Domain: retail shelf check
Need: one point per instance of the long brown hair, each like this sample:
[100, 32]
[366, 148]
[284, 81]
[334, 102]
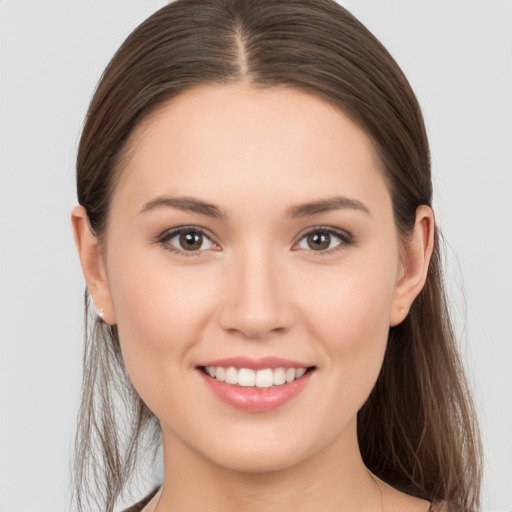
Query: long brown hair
[417, 431]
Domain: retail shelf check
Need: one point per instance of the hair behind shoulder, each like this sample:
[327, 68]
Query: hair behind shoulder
[417, 430]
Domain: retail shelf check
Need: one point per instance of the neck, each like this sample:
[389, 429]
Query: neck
[333, 480]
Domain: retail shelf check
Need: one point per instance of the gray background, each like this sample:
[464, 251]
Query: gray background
[458, 57]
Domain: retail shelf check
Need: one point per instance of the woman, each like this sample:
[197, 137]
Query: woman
[256, 233]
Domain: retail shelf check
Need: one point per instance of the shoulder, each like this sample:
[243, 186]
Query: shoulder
[143, 502]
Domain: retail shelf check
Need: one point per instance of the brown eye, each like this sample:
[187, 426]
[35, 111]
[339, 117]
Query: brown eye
[188, 240]
[319, 241]
[325, 240]
[191, 241]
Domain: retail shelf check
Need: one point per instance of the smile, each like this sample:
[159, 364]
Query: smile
[256, 386]
[247, 377]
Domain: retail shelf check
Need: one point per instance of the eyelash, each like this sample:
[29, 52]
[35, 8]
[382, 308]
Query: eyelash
[165, 237]
[346, 239]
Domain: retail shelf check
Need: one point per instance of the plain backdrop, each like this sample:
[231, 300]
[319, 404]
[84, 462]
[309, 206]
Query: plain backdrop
[458, 57]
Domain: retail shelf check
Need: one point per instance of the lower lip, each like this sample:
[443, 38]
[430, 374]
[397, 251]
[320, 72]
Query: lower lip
[254, 399]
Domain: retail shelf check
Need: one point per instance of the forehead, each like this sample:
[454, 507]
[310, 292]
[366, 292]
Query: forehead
[248, 141]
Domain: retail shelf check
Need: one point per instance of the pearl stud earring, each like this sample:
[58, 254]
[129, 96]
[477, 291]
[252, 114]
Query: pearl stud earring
[100, 314]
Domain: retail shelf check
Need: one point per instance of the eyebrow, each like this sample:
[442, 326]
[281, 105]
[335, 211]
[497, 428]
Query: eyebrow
[210, 210]
[187, 204]
[326, 205]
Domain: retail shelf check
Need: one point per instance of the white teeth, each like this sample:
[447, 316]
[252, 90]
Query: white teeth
[231, 376]
[279, 376]
[290, 374]
[247, 377]
[264, 378]
[300, 372]
[220, 373]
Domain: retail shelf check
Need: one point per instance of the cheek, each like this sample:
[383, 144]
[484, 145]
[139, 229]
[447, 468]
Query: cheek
[161, 313]
[353, 303]
[350, 318]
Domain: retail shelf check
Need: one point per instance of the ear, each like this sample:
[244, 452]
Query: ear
[93, 265]
[413, 269]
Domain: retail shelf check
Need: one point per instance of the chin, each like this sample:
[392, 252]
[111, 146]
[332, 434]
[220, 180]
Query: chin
[259, 461]
[268, 451]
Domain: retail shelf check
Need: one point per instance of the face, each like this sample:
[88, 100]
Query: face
[252, 229]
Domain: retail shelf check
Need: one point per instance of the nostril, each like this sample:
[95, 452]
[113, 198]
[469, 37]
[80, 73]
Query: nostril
[256, 310]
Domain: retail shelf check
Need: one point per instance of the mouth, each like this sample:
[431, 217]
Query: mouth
[269, 384]
[250, 378]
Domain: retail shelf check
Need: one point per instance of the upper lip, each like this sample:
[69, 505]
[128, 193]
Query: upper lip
[255, 364]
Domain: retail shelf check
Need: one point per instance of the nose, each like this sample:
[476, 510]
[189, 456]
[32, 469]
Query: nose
[256, 302]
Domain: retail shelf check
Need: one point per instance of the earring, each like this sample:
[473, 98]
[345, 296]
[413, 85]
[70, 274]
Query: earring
[402, 311]
[100, 314]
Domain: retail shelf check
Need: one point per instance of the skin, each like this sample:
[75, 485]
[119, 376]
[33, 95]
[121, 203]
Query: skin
[256, 288]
